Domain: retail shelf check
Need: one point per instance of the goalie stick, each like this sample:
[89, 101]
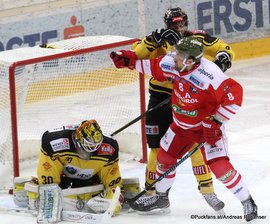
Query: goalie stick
[164, 102]
[184, 158]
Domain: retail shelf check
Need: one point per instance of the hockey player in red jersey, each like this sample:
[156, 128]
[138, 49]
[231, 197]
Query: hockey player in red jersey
[203, 100]
[155, 44]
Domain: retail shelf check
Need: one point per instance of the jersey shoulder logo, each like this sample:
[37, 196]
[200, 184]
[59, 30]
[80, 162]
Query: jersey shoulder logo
[166, 66]
[106, 149]
[60, 144]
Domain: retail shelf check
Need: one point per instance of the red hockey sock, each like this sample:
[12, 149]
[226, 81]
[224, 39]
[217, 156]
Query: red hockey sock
[230, 177]
[165, 162]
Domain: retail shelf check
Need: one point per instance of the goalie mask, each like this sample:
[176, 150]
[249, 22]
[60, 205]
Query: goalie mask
[175, 18]
[88, 136]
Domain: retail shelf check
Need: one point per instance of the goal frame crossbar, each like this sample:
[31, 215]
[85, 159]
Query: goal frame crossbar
[13, 106]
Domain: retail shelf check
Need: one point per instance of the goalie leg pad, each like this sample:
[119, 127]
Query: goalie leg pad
[20, 196]
[50, 206]
[131, 187]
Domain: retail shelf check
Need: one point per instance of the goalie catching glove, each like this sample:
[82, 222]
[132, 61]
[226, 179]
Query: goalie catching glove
[123, 58]
[100, 203]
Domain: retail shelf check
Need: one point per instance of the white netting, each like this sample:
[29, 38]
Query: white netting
[64, 91]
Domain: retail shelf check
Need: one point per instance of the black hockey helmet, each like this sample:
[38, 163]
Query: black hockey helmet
[175, 15]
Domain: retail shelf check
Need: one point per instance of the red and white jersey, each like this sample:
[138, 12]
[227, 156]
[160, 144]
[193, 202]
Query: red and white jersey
[201, 92]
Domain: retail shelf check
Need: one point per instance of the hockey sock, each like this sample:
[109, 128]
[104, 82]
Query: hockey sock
[230, 177]
[202, 173]
[151, 167]
[165, 162]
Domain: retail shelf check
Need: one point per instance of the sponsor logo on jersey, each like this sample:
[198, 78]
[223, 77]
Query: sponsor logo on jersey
[205, 73]
[71, 127]
[226, 89]
[47, 166]
[185, 99]
[106, 149]
[56, 129]
[199, 170]
[166, 67]
[60, 144]
[193, 90]
[70, 169]
[214, 149]
[196, 81]
[194, 32]
[178, 110]
[152, 129]
[78, 173]
[169, 76]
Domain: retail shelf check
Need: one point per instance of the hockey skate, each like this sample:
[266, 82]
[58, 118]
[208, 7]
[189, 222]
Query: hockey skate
[250, 209]
[153, 204]
[214, 202]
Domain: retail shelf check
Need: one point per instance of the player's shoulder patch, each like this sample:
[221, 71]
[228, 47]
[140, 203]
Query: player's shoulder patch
[197, 32]
[57, 140]
[106, 149]
[109, 147]
[60, 144]
[167, 63]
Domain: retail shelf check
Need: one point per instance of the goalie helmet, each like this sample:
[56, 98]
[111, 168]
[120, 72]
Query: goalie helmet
[88, 136]
[191, 47]
[175, 16]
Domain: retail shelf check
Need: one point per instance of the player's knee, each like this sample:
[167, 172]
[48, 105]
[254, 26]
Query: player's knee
[222, 168]
[165, 160]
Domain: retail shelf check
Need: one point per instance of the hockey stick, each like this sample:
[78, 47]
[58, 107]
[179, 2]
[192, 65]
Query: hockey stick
[164, 102]
[190, 153]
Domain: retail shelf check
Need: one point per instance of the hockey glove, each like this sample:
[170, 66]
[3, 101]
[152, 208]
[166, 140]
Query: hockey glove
[211, 131]
[223, 61]
[123, 58]
[170, 35]
[102, 202]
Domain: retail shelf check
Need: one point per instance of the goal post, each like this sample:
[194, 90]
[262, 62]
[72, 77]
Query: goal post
[65, 83]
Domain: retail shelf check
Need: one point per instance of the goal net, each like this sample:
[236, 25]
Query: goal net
[65, 83]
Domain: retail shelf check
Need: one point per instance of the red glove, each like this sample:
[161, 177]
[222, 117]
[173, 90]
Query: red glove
[122, 59]
[211, 131]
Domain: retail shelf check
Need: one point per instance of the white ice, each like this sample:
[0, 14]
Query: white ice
[249, 139]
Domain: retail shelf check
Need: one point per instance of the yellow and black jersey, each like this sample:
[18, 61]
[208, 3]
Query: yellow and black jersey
[212, 45]
[59, 157]
[146, 49]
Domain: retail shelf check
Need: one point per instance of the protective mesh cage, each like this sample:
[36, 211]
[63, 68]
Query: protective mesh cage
[66, 90]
